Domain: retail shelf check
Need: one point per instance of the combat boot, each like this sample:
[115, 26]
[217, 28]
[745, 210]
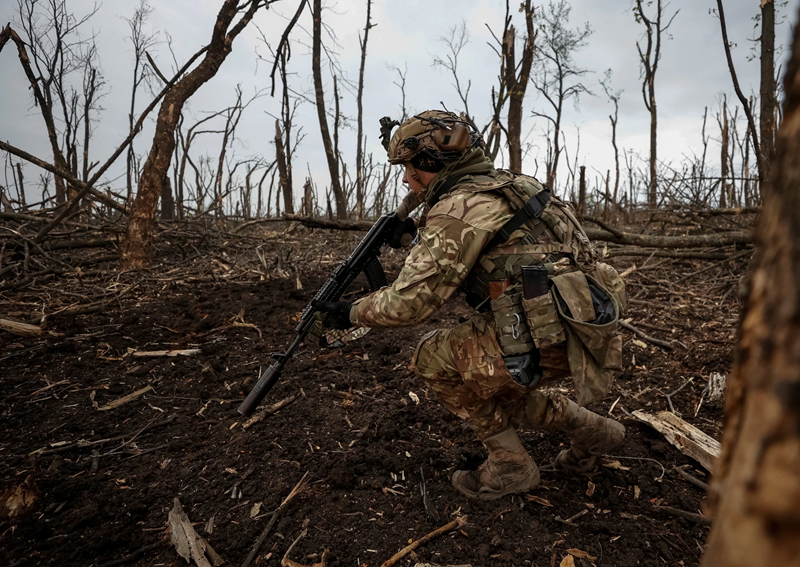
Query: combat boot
[508, 470]
[590, 436]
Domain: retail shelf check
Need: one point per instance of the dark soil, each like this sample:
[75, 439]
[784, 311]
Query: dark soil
[355, 427]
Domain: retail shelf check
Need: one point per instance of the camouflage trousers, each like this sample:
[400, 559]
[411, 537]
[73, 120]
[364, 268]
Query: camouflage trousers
[464, 367]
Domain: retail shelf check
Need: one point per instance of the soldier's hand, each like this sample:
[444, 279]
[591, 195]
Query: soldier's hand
[404, 233]
[337, 313]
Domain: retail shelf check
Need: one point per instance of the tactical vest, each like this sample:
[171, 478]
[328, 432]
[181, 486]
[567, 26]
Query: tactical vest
[585, 300]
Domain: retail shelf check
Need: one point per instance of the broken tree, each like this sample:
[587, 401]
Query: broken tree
[137, 249]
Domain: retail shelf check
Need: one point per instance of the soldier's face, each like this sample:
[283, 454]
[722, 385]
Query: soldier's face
[417, 180]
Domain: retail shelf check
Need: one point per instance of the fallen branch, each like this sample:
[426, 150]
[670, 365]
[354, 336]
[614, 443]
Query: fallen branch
[298, 488]
[20, 329]
[135, 555]
[691, 478]
[170, 353]
[313, 222]
[658, 342]
[125, 399]
[266, 412]
[686, 437]
[692, 517]
[737, 237]
[455, 524]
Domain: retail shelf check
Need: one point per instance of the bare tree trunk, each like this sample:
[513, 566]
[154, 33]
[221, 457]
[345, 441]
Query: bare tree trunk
[516, 85]
[333, 159]
[582, 191]
[756, 489]
[283, 173]
[745, 104]
[360, 190]
[649, 59]
[767, 92]
[137, 246]
[723, 173]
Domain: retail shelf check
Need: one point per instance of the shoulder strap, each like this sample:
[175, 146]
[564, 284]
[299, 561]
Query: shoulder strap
[532, 209]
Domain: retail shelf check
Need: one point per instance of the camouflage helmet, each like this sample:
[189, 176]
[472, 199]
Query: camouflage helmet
[440, 135]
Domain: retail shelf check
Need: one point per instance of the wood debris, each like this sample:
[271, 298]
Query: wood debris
[21, 329]
[268, 411]
[125, 399]
[187, 542]
[160, 353]
[14, 502]
[455, 524]
[686, 437]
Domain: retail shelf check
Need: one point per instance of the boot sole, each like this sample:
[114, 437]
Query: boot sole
[524, 485]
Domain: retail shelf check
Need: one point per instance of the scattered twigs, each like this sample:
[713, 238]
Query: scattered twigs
[669, 396]
[299, 487]
[658, 342]
[135, 555]
[430, 507]
[455, 524]
[691, 478]
[266, 412]
[692, 517]
[571, 520]
[81, 444]
[712, 266]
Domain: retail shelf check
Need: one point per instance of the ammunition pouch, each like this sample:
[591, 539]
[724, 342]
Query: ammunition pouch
[513, 333]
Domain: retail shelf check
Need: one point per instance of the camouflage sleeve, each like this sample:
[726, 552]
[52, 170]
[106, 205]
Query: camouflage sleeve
[449, 246]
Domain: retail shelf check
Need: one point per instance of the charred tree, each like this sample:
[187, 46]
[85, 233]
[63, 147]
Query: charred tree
[767, 94]
[746, 105]
[516, 84]
[137, 246]
[360, 182]
[756, 489]
[330, 153]
[649, 59]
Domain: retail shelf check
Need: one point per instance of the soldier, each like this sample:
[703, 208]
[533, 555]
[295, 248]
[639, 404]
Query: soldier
[469, 202]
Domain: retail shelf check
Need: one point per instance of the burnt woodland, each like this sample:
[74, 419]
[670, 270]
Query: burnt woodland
[144, 284]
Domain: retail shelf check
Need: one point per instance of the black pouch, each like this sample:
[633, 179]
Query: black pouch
[524, 368]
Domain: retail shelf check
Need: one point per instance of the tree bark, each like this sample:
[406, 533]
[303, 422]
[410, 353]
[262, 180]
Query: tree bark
[283, 172]
[333, 159]
[516, 85]
[756, 491]
[137, 247]
[582, 190]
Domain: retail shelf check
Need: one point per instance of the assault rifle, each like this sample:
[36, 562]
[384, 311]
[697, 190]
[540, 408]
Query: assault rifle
[363, 259]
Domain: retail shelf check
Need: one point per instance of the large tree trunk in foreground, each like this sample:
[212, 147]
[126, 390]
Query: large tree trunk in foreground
[756, 491]
[137, 247]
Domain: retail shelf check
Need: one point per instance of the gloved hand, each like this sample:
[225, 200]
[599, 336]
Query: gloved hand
[337, 313]
[399, 238]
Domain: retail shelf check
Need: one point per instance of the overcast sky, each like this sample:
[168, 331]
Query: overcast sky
[693, 74]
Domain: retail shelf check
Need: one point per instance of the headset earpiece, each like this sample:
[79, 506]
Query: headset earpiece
[456, 138]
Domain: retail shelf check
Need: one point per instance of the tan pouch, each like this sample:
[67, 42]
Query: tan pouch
[513, 333]
[545, 326]
[594, 350]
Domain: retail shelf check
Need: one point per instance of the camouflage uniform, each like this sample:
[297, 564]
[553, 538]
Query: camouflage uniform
[464, 365]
